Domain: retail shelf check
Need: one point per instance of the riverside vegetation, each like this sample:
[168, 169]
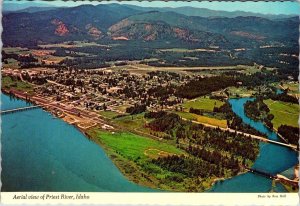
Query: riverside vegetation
[190, 158]
[277, 111]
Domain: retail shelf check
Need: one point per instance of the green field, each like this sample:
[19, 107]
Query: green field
[123, 108]
[292, 86]
[240, 92]
[108, 114]
[73, 44]
[132, 121]
[181, 50]
[133, 154]
[11, 63]
[133, 146]
[203, 103]
[203, 119]
[284, 113]
[16, 50]
[9, 83]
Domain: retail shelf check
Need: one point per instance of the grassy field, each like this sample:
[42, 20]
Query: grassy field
[292, 86]
[181, 50]
[123, 108]
[240, 92]
[108, 114]
[133, 146]
[203, 119]
[16, 50]
[132, 121]
[73, 44]
[8, 83]
[133, 154]
[284, 113]
[12, 63]
[203, 103]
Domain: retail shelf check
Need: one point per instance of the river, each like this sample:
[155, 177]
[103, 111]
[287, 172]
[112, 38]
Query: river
[37, 155]
[272, 159]
[42, 153]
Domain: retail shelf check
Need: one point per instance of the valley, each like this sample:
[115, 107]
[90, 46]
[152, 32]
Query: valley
[178, 102]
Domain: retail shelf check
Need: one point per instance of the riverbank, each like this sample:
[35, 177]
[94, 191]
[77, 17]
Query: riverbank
[134, 171]
[127, 151]
[74, 116]
[39, 148]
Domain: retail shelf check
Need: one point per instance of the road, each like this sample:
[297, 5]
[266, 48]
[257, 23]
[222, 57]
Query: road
[92, 115]
[294, 147]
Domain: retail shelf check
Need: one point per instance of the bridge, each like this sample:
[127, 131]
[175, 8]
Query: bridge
[278, 177]
[294, 147]
[262, 173]
[18, 110]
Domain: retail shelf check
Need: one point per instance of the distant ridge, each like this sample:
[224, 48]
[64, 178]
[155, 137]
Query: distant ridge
[8, 6]
[203, 12]
[121, 22]
[32, 7]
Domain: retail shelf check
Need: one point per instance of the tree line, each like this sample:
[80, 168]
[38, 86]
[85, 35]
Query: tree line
[204, 86]
[291, 134]
[212, 149]
[259, 111]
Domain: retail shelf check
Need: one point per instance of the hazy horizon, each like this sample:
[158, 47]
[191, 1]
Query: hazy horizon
[288, 8]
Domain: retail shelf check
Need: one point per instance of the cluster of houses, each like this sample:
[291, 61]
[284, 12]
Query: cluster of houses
[105, 89]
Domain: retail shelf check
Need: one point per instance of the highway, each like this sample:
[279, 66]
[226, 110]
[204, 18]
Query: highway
[294, 147]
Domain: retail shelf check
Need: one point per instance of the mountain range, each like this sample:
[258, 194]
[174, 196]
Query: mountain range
[32, 7]
[127, 22]
[13, 7]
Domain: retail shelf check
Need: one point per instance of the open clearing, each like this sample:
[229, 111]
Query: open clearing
[203, 119]
[11, 63]
[7, 82]
[73, 44]
[108, 114]
[155, 153]
[240, 92]
[284, 113]
[292, 86]
[203, 103]
[181, 50]
[143, 68]
[16, 50]
[133, 146]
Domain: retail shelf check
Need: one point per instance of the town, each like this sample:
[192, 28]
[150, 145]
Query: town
[138, 99]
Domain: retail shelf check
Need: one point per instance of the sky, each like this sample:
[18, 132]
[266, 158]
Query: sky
[263, 7]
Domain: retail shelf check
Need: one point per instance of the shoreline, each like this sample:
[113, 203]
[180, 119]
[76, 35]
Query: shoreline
[114, 156]
[130, 177]
[121, 163]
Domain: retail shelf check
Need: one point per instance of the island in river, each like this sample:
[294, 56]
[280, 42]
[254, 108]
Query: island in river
[183, 147]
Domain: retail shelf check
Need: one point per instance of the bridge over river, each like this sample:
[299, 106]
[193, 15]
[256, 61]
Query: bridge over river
[9, 111]
[262, 173]
[277, 177]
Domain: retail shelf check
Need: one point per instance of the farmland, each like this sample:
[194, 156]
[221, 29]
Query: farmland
[133, 154]
[284, 113]
[203, 103]
[203, 119]
[72, 44]
[133, 146]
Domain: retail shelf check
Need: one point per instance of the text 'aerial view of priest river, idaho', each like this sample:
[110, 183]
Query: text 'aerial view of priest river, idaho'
[135, 97]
